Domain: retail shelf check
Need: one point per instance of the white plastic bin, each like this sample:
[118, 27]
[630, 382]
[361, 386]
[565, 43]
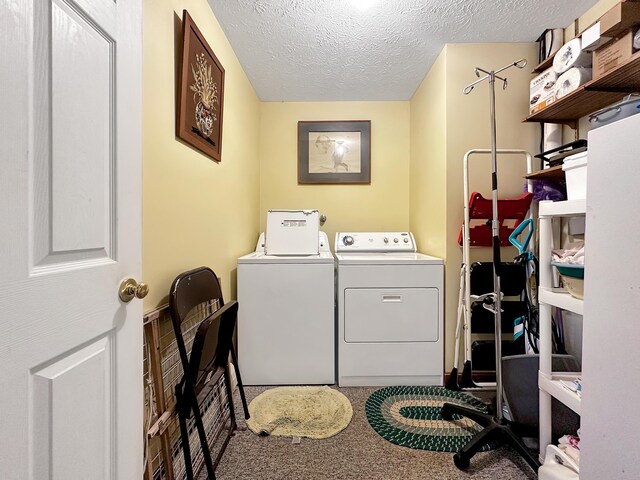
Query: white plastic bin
[575, 172]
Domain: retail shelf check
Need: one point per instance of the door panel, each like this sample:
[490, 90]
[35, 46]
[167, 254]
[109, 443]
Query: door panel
[60, 449]
[70, 193]
[82, 120]
[73, 117]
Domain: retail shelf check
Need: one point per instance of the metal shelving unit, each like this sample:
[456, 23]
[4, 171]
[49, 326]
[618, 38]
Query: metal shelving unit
[549, 382]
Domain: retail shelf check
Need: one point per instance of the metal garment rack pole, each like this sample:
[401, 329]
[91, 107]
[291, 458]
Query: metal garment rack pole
[492, 76]
[495, 428]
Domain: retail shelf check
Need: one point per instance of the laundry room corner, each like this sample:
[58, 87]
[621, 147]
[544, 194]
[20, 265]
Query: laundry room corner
[445, 125]
[428, 166]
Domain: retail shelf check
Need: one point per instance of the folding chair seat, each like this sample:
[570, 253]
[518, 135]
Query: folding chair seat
[208, 358]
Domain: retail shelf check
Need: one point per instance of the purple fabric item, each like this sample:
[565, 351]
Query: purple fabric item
[546, 190]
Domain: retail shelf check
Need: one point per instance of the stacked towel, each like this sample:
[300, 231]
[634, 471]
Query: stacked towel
[573, 253]
[570, 444]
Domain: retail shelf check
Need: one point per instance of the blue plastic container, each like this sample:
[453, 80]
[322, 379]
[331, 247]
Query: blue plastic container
[569, 269]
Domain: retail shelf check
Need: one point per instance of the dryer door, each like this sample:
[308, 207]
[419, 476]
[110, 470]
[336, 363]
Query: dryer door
[390, 315]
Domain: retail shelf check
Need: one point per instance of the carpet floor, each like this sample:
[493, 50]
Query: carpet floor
[357, 453]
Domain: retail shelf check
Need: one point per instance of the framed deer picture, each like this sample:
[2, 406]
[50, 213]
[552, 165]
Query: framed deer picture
[334, 152]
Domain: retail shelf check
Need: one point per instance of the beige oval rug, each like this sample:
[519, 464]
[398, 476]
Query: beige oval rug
[312, 412]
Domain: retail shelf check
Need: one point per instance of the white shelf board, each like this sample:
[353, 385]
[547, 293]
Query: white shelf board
[566, 208]
[561, 299]
[551, 385]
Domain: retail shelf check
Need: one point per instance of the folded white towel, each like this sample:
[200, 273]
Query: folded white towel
[573, 253]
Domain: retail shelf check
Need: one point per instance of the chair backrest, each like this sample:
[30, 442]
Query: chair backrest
[211, 343]
[520, 386]
[192, 288]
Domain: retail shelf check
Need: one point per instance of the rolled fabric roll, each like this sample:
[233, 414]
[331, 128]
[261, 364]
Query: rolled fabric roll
[571, 80]
[550, 42]
[556, 39]
[571, 55]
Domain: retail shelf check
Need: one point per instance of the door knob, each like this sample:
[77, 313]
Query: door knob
[130, 289]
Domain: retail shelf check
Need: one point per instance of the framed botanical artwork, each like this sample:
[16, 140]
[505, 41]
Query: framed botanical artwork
[200, 94]
[334, 152]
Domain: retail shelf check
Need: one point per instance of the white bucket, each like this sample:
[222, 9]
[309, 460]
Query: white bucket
[575, 172]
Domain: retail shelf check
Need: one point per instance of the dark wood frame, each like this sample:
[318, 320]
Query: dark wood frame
[362, 126]
[185, 128]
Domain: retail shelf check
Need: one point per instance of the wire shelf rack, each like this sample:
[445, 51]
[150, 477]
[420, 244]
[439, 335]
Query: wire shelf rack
[164, 459]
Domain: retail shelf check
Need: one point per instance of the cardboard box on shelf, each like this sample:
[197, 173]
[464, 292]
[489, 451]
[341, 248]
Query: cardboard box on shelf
[612, 55]
[592, 39]
[621, 17]
[542, 90]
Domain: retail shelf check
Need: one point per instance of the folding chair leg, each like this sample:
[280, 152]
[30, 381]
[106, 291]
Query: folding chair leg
[184, 434]
[234, 357]
[232, 410]
[204, 444]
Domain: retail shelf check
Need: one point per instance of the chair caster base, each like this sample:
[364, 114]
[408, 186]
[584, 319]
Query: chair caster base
[461, 461]
[446, 414]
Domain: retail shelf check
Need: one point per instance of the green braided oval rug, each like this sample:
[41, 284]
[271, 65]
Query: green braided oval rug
[410, 417]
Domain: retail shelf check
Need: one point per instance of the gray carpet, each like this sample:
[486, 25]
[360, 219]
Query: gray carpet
[357, 453]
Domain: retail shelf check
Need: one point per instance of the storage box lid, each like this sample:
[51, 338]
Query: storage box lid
[575, 161]
[292, 232]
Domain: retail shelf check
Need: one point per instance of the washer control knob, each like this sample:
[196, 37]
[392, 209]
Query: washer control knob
[395, 240]
[386, 240]
[348, 240]
[406, 240]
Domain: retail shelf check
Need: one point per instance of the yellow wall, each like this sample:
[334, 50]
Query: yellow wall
[454, 125]
[196, 211]
[428, 204]
[589, 17]
[383, 205]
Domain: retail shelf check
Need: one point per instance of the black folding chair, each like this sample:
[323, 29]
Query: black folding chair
[208, 359]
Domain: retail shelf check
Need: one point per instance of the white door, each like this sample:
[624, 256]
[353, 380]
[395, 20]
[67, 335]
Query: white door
[70, 212]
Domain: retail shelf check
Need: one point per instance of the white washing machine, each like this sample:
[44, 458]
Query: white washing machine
[390, 311]
[286, 323]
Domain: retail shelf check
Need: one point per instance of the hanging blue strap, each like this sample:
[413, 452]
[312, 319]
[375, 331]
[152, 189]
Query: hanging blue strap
[522, 247]
[518, 328]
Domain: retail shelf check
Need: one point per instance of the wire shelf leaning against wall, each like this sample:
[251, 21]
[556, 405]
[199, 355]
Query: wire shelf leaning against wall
[162, 371]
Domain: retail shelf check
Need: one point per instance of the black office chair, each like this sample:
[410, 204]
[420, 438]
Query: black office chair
[520, 389]
[208, 359]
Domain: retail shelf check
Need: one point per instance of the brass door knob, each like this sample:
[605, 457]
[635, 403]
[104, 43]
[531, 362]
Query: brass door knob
[130, 289]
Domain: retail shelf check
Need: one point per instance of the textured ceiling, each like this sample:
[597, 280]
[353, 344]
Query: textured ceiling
[322, 50]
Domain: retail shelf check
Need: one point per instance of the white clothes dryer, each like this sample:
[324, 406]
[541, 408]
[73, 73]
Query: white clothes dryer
[286, 325]
[390, 311]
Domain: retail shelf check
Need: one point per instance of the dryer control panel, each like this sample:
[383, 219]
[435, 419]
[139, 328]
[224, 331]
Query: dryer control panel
[378, 242]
